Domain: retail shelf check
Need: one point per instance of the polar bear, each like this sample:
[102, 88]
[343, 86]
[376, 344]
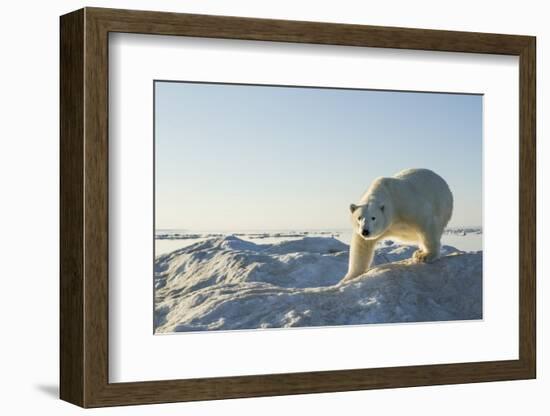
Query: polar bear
[413, 206]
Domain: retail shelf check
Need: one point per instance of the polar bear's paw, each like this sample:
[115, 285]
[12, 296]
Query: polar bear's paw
[420, 256]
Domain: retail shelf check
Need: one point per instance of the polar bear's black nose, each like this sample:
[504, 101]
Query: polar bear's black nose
[365, 233]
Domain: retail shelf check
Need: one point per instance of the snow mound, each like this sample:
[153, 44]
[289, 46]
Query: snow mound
[228, 283]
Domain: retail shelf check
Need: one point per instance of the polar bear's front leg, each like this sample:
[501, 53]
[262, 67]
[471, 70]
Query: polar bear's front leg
[360, 257]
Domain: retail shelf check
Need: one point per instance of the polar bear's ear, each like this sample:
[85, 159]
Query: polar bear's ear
[352, 208]
[382, 208]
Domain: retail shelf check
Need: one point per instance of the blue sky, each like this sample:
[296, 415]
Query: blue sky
[240, 157]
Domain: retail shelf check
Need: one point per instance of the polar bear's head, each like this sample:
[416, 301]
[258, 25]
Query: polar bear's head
[371, 219]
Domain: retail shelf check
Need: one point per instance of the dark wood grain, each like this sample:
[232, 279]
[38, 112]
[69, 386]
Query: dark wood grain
[71, 101]
[96, 208]
[162, 23]
[84, 207]
[527, 207]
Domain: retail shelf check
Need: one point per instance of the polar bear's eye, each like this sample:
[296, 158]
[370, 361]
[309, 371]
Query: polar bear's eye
[373, 218]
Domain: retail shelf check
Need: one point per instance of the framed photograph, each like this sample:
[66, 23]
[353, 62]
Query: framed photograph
[254, 207]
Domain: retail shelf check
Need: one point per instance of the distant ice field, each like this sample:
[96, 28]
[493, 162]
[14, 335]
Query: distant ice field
[166, 241]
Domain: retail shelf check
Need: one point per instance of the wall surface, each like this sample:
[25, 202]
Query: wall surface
[29, 208]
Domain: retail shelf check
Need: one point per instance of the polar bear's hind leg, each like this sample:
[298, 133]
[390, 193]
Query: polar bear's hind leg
[430, 245]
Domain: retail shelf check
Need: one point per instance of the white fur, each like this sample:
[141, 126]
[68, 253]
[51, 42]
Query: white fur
[414, 206]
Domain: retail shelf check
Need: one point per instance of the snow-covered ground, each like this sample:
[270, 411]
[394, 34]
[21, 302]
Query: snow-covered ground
[227, 282]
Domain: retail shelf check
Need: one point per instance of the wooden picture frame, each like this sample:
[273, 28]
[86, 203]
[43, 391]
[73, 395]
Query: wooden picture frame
[84, 207]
